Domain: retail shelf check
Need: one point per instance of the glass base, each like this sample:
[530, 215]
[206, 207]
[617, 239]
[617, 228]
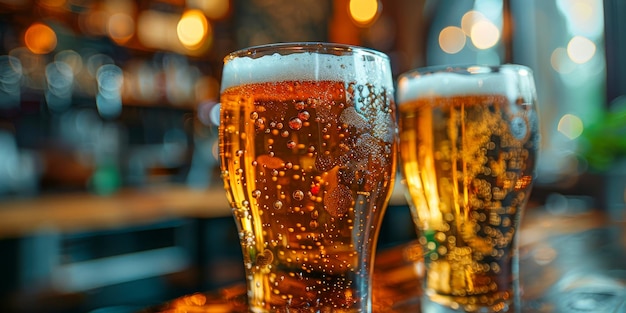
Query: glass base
[430, 306]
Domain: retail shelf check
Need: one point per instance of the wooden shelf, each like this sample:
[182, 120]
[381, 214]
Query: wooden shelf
[76, 212]
[86, 212]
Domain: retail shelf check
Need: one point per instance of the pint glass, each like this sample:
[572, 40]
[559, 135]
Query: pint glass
[468, 142]
[308, 149]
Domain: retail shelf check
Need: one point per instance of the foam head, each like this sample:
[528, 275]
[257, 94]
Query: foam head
[508, 81]
[346, 64]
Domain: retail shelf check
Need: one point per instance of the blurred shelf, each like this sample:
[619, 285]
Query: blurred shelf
[87, 212]
[75, 212]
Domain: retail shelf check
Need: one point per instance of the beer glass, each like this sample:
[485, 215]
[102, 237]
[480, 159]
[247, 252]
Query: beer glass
[307, 147]
[468, 144]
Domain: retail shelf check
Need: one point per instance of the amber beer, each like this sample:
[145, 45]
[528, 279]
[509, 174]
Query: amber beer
[468, 159]
[308, 166]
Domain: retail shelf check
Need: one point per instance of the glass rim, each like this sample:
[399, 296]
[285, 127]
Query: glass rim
[464, 69]
[330, 48]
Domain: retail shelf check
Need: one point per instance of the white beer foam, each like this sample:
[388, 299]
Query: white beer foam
[307, 66]
[451, 84]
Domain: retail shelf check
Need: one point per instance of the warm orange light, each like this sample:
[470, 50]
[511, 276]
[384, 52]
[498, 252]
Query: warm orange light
[363, 12]
[452, 39]
[52, 3]
[40, 39]
[581, 49]
[469, 19]
[213, 9]
[192, 29]
[121, 27]
[484, 34]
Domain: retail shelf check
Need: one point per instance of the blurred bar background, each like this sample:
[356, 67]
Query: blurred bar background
[109, 179]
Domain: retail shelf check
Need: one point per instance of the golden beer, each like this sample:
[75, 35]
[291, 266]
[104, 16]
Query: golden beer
[468, 160]
[308, 166]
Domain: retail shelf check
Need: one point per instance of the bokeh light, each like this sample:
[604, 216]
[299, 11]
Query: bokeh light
[469, 19]
[581, 49]
[213, 9]
[452, 39]
[584, 17]
[484, 34]
[364, 12]
[192, 29]
[121, 27]
[560, 61]
[40, 38]
[571, 126]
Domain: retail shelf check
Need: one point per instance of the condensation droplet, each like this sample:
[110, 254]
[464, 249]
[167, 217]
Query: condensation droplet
[295, 123]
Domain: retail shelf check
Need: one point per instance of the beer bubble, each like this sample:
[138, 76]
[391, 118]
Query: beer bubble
[256, 193]
[254, 115]
[304, 115]
[313, 224]
[278, 205]
[291, 144]
[239, 153]
[245, 203]
[298, 195]
[300, 105]
[260, 123]
[285, 134]
[288, 165]
[295, 123]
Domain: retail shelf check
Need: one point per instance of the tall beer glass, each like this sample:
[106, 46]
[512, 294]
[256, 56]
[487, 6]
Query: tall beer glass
[468, 142]
[307, 146]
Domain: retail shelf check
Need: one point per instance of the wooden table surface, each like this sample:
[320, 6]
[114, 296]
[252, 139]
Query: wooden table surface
[569, 262]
